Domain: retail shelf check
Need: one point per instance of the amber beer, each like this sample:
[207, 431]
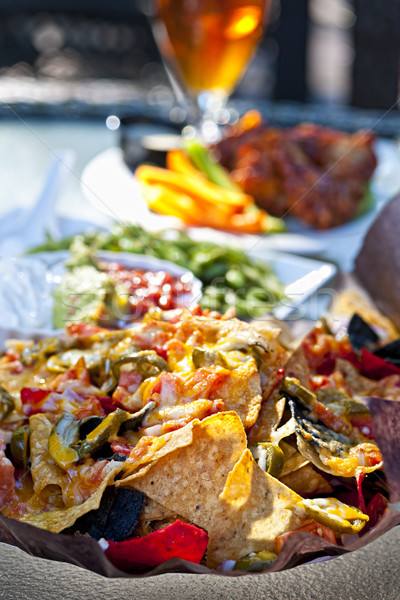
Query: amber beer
[211, 40]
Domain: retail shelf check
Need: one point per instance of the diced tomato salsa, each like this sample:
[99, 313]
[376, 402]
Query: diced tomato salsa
[147, 289]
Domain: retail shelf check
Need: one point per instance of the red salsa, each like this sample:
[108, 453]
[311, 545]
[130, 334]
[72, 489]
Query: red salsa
[147, 289]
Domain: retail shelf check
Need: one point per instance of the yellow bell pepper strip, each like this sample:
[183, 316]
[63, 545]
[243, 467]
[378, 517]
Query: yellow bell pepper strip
[166, 200]
[178, 161]
[254, 222]
[198, 188]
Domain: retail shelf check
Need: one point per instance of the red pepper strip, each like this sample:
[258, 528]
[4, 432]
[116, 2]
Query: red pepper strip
[108, 405]
[375, 367]
[361, 501]
[375, 509]
[83, 329]
[364, 425]
[161, 352]
[178, 540]
[122, 447]
[33, 395]
[315, 528]
[280, 375]
[328, 418]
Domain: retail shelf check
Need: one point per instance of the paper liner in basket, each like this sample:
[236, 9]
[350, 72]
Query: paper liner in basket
[302, 547]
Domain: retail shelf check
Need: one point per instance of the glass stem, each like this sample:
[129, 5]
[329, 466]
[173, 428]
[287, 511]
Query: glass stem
[209, 107]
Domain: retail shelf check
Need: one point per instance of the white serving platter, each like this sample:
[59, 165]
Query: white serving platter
[110, 186]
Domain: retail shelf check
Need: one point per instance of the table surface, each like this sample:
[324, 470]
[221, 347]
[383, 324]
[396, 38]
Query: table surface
[26, 150]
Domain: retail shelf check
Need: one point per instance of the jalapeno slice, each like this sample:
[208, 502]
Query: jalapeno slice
[64, 433]
[208, 358]
[134, 421]
[292, 387]
[71, 440]
[270, 458]
[334, 514]
[19, 446]
[7, 403]
[255, 562]
[106, 430]
[147, 362]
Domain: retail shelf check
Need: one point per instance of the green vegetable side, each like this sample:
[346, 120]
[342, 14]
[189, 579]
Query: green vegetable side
[230, 278]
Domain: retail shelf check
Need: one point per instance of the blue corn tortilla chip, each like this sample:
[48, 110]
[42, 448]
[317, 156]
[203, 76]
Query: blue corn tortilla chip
[361, 334]
[116, 517]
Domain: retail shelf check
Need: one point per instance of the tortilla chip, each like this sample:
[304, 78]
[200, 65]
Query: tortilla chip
[221, 332]
[264, 325]
[293, 459]
[154, 511]
[252, 511]
[151, 450]
[268, 420]
[48, 477]
[154, 516]
[297, 366]
[306, 480]
[356, 383]
[353, 301]
[228, 335]
[241, 392]
[57, 520]
[189, 480]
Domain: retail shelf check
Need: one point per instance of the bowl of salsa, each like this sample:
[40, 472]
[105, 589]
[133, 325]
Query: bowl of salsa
[107, 289]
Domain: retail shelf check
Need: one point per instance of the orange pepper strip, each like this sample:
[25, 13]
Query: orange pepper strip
[315, 528]
[166, 200]
[251, 222]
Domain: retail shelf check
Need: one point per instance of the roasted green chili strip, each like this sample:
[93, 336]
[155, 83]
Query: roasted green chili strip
[147, 362]
[207, 358]
[134, 422]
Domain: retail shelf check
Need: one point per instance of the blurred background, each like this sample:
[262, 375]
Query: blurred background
[93, 58]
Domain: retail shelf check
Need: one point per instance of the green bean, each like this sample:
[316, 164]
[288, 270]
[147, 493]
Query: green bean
[235, 278]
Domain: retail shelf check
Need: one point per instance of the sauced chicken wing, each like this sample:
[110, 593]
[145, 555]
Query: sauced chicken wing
[313, 173]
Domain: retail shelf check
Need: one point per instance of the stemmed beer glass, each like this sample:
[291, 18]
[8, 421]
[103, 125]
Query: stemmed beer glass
[207, 44]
